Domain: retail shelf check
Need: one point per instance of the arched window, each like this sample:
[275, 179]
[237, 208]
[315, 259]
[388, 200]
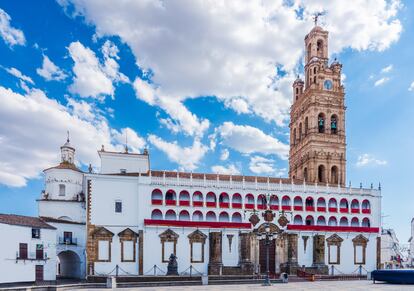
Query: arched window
[365, 222]
[211, 199]
[314, 80]
[170, 215]
[156, 197]
[170, 197]
[197, 216]
[343, 221]
[274, 202]
[321, 174]
[236, 217]
[156, 214]
[321, 204]
[321, 221]
[355, 206]
[334, 124]
[314, 70]
[306, 125]
[343, 205]
[211, 216]
[334, 175]
[309, 51]
[355, 221]
[286, 203]
[305, 174]
[184, 198]
[332, 221]
[366, 206]
[184, 215]
[297, 220]
[236, 201]
[261, 202]
[310, 204]
[224, 217]
[197, 198]
[309, 220]
[319, 48]
[62, 189]
[297, 203]
[300, 131]
[294, 136]
[249, 201]
[321, 123]
[224, 201]
[332, 205]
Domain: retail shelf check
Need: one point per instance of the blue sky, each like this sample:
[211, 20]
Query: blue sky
[205, 87]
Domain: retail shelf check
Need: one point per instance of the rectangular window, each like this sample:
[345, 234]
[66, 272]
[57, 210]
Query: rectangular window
[39, 252]
[67, 237]
[23, 251]
[103, 250]
[62, 190]
[168, 250]
[118, 206]
[359, 255]
[35, 232]
[123, 171]
[128, 249]
[333, 254]
[197, 252]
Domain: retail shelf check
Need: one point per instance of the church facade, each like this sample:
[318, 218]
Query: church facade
[128, 218]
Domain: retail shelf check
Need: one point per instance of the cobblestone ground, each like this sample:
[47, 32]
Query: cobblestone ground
[320, 286]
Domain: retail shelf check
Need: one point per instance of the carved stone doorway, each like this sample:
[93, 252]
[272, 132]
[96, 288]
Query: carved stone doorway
[272, 257]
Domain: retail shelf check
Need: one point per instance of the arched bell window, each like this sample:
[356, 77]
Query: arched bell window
[321, 174]
[319, 48]
[300, 131]
[334, 175]
[294, 136]
[306, 125]
[321, 123]
[334, 124]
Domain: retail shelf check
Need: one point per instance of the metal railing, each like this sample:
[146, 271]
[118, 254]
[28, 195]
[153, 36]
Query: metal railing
[68, 241]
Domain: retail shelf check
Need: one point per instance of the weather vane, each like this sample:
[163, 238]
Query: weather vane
[316, 16]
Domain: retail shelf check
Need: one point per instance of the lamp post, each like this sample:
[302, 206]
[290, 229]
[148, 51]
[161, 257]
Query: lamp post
[268, 231]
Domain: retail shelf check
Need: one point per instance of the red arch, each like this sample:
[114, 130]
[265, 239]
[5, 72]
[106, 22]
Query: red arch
[211, 200]
[343, 206]
[333, 205]
[366, 206]
[224, 200]
[170, 215]
[184, 215]
[298, 220]
[211, 216]
[366, 222]
[170, 197]
[321, 220]
[198, 216]
[156, 214]
[343, 221]
[354, 221]
[224, 216]
[249, 201]
[309, 220]
[236, 201]
[321, 204]
[197, 199]
[261, 202]
[297, 203]
[355, 206]
[184, 198]
[274, 202]
[236, 217]
[309, 204]
[156, 197]
[332, 221]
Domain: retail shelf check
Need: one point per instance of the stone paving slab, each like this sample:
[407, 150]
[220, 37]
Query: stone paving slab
[320, 286]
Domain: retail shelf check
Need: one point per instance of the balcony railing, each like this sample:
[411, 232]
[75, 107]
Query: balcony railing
[68, 241]
[31, 256]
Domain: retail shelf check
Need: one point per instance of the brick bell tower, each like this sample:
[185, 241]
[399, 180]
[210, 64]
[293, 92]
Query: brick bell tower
[317, 117]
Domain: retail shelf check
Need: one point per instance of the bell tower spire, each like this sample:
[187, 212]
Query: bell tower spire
[317, 117]
[67, 151]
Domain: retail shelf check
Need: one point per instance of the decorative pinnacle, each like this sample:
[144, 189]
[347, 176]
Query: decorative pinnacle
[68, 138]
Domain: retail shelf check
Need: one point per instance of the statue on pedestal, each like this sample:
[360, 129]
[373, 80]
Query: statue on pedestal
[172, 269]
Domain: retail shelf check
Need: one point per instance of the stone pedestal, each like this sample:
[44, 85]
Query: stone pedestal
[215, 264]
[291, 265]
[246, 265]
[318, 264]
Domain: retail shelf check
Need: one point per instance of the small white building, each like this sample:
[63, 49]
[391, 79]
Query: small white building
[411, 247]
[390, 250]
[28, 249]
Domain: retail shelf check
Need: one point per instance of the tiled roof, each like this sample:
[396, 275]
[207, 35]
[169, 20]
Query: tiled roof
[65, 165]
[21, 220]
[57, 220]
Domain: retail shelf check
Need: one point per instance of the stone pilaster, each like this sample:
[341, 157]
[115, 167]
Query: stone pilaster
[245, 263]
[319, 254]
[291, 265]
[215, 264]
[140, 252]
[378, 253]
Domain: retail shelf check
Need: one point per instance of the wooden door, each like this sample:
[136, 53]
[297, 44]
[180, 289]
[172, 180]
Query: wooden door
[272, 257]
[23, 251]
[39, 273]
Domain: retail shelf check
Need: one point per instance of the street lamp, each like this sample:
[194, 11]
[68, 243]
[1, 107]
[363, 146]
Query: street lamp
[267, 237]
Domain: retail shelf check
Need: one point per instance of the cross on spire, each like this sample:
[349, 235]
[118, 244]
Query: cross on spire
[316, 16]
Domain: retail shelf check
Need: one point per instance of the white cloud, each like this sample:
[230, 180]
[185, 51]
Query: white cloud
[33, 127]
[381, 81]
[187, 158]
[224, 154]
[261, 165]
[411, 88]
[369, 160]
[93, 78]
[181, 118]
[387, 69]
[247, 139]
[15, 72]
[229, 170]
[230, 49]
[50, 71]
[11, 36]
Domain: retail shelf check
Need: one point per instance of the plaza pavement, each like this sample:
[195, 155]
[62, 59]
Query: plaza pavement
[320, 286]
